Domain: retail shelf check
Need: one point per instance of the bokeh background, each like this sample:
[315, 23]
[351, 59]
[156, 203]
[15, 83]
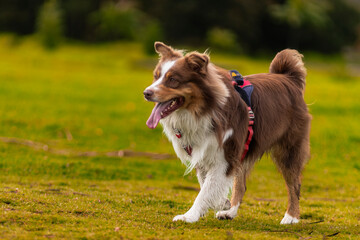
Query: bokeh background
[236, 25]
[77, 160]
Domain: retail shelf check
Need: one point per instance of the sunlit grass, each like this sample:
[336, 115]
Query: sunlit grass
[95, 93]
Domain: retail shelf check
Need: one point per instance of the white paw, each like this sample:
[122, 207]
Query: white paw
[222, 215]
[228, 214]
[190, 218]
[289, 219]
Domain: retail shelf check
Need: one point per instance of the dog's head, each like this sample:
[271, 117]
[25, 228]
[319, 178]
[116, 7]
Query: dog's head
[179, 82]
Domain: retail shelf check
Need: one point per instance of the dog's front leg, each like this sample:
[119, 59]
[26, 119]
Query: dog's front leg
[201, 175]
[212, 193]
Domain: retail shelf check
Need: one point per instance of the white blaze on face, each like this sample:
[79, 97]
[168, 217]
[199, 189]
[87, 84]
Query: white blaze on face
[157, 112]
[165, 67]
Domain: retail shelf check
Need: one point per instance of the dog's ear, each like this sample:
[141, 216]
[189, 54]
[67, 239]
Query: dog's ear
[197, 61]
[166, 51]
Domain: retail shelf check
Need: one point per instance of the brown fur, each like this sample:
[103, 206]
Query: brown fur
[282, 121]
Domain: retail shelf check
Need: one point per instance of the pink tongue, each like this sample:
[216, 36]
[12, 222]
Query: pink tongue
[155, 116]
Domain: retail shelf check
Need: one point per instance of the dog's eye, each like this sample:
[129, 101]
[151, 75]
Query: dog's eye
[172, 82]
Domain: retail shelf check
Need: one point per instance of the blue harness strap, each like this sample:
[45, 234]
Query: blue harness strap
[242, 86]
[245, 89]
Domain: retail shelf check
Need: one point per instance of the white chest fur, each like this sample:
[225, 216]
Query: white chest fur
[197, 133]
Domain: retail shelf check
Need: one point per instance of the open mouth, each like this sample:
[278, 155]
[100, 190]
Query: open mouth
[162, 110]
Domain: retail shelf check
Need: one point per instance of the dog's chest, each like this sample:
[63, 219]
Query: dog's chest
[185, 133]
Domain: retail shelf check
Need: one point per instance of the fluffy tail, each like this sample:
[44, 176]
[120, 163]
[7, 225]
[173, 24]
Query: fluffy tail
[290, 62]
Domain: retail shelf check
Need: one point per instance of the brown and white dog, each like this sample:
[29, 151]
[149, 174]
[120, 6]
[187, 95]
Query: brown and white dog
[207, 122]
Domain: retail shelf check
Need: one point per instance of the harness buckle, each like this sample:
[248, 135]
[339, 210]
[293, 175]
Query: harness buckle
[251, 114]
[237, 77]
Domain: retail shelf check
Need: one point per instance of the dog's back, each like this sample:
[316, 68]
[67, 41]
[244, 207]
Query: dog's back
[278, 102]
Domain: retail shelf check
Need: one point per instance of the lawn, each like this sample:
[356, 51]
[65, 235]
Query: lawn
[89, 98]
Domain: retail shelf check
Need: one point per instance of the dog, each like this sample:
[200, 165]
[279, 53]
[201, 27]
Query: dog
[207, 121]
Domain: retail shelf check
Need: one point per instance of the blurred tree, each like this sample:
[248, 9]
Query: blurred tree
[189, 21]
[19, 16]
[298, 13]
[223, 39]
[340, 30]
[320, 25]
[76, 17]
[270, 25]
[152, 32]
[49, 24]
[116, 20]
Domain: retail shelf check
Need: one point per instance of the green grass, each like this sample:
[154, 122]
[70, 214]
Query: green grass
[95, 93]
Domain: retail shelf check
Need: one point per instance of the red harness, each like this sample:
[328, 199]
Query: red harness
[244, 88]
[250, 133]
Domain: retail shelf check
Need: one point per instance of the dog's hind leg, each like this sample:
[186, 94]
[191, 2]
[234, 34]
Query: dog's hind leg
[292, 176]
[290, 161]
[238, 192]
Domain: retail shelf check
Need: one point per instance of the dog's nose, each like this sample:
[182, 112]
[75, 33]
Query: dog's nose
[148, 93]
